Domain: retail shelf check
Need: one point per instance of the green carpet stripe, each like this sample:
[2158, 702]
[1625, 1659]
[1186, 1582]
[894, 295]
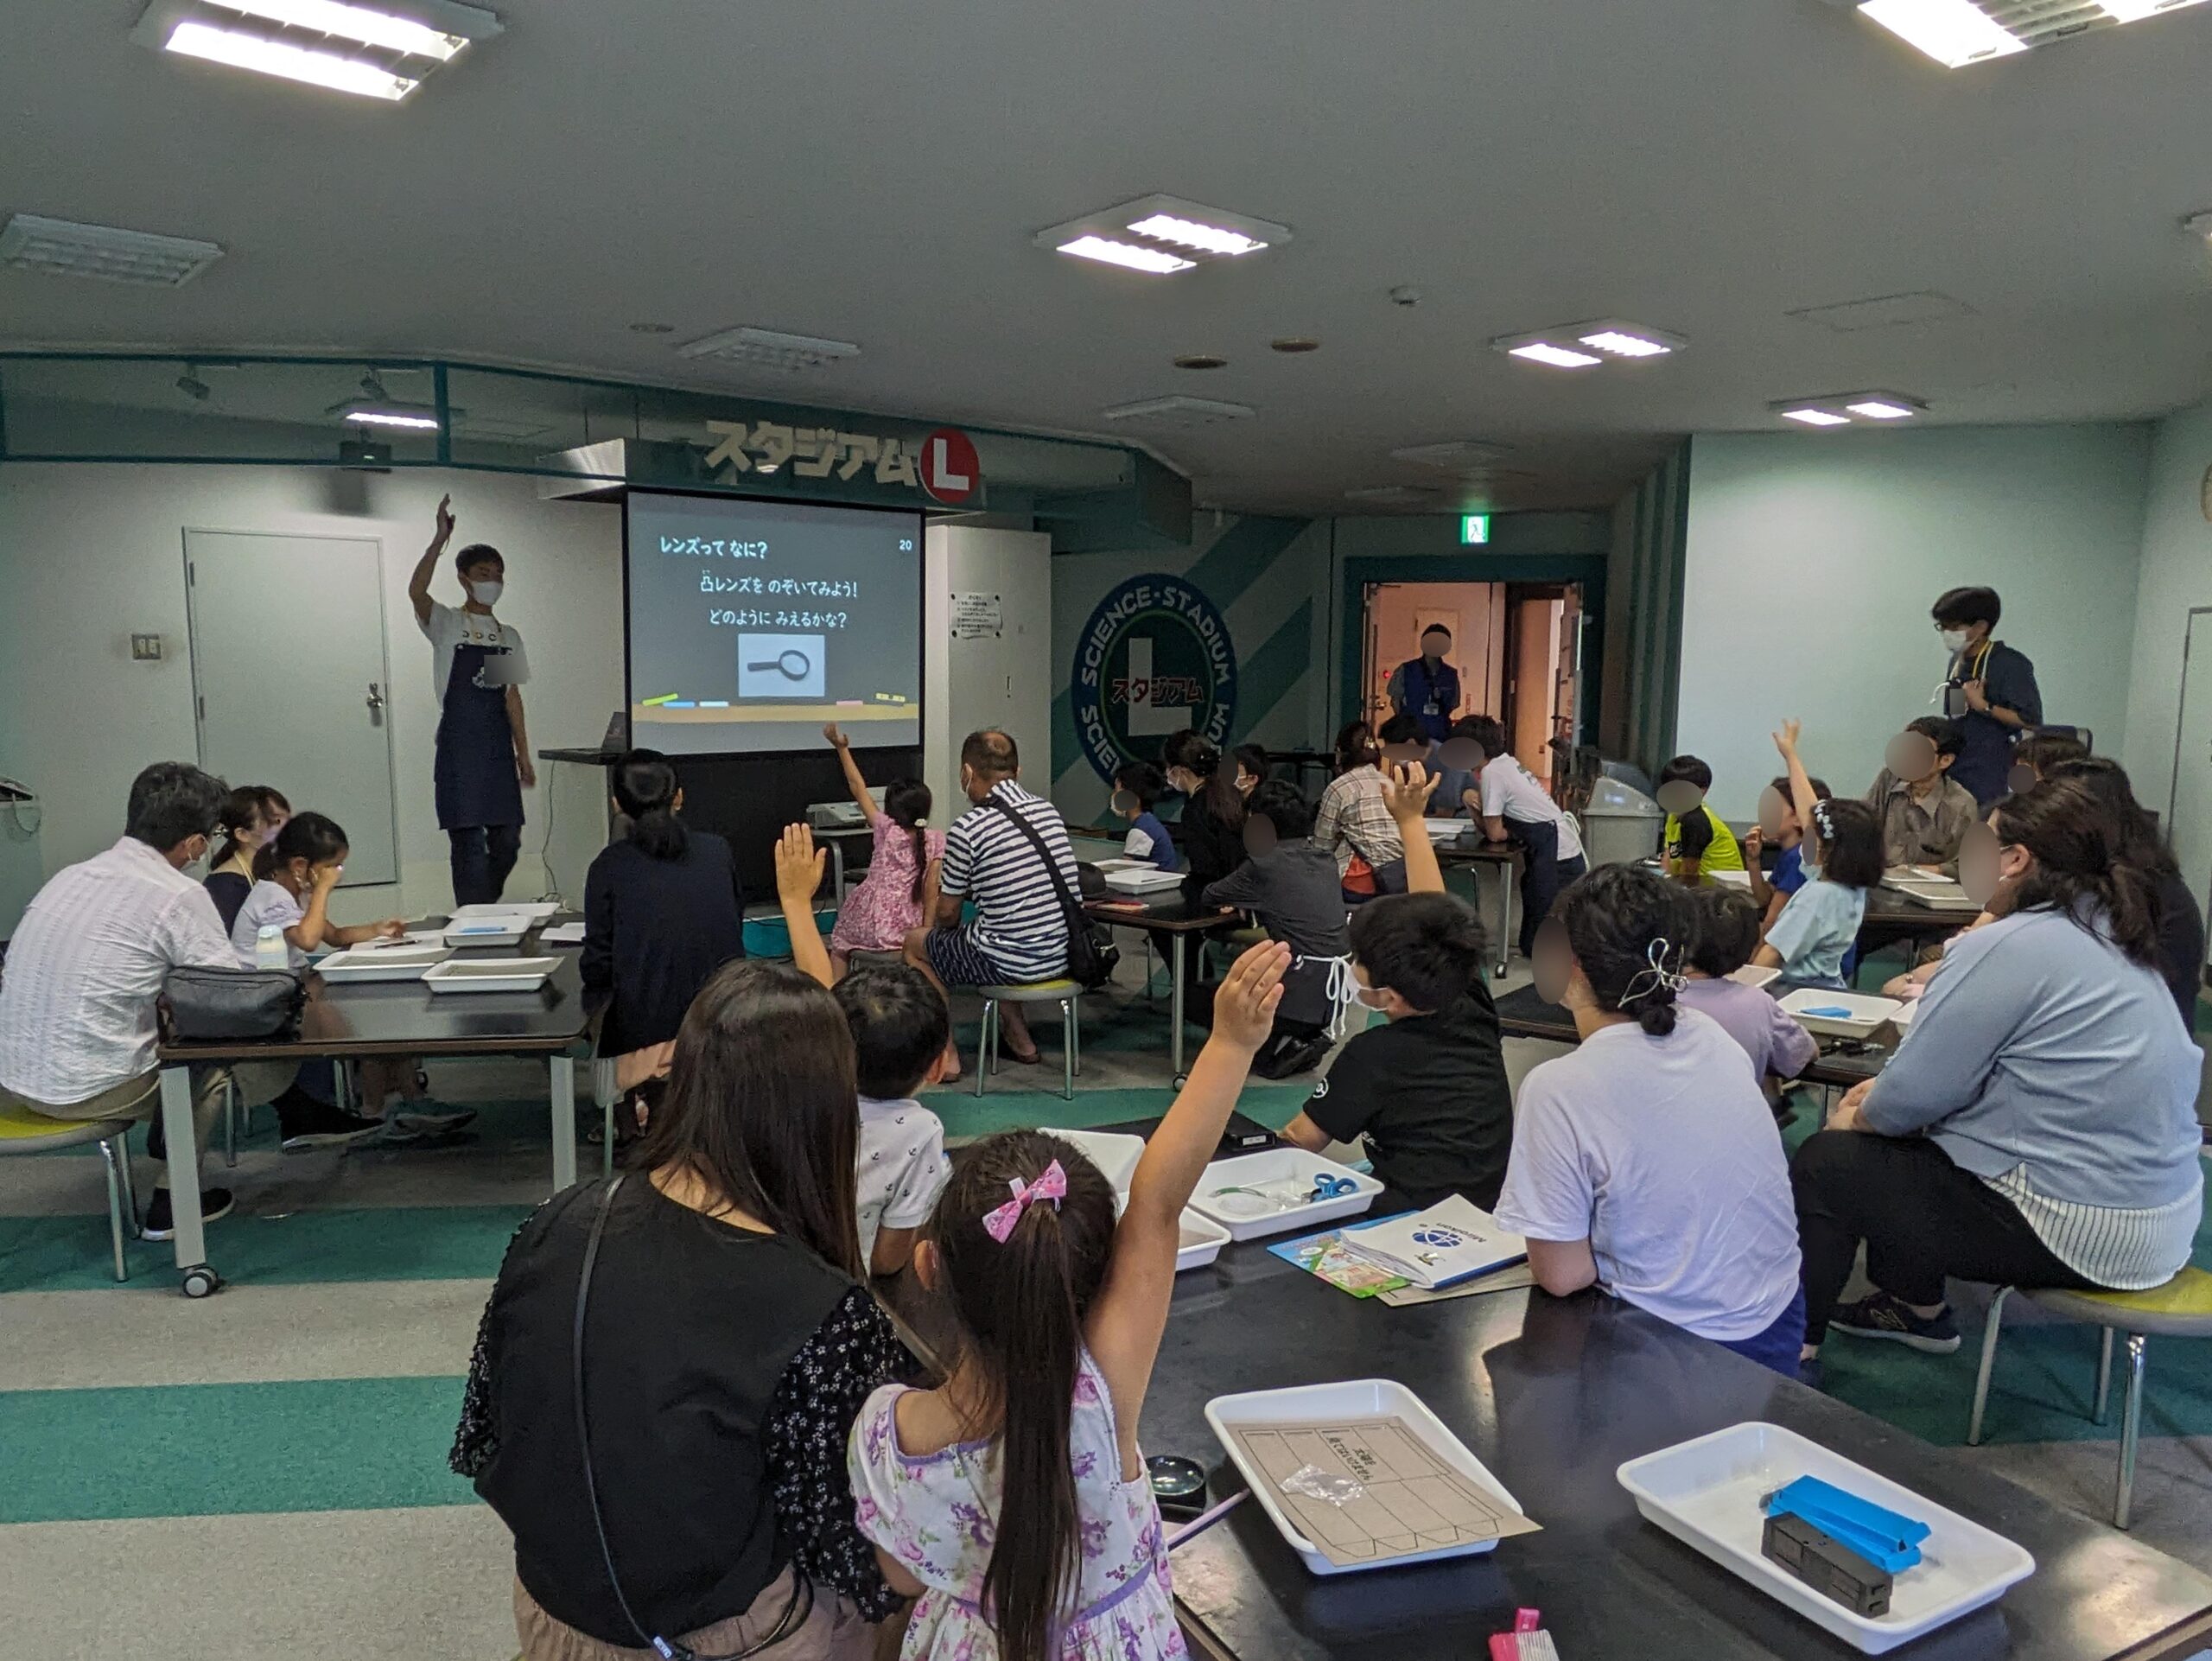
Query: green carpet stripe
[198, 1450]
[53, 1254]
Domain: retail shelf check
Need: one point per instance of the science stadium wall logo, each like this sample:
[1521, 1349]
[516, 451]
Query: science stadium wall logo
[1155, 658]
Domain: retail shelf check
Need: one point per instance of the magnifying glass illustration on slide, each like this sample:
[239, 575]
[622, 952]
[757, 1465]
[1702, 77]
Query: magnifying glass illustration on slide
[791, 666]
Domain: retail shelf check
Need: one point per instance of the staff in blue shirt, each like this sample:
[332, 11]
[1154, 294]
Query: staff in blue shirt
[1990, 689]
[1428, 687]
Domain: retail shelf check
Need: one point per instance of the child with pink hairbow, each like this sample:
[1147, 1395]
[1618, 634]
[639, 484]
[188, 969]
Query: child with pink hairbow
[1012, 1500]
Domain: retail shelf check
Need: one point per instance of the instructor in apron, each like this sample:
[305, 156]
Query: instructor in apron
[478, 668]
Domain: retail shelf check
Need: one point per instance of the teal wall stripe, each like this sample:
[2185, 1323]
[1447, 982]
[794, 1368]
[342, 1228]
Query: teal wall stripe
[1239, 557]
[53, 1254]
[1067, 749]
[198, 1450]
[1270, 674]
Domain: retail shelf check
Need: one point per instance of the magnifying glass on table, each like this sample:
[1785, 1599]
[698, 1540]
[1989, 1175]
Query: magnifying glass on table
[791, 666]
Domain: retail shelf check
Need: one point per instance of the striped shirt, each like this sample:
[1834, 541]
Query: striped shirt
[86, 965]
[1020, 924]
[1352, 819]
[2128, 1250]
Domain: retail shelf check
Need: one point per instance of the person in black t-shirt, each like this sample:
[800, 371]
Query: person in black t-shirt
[1428, 1091]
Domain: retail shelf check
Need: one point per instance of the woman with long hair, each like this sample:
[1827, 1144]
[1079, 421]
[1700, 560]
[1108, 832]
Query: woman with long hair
[710, 1309]
[2037, 1126]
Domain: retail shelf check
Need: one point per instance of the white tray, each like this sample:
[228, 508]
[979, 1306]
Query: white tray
[536, 910]
[487, 930]
[1753, 976]
[1353, 1399]
[1279, 1165]
[1936, 893]
[491, 974]
[387, 963]
[1202, 1241]
[1731, 879]
[1706, 1494]
[1448, 830]
[1143, 879]
[1866, 1017]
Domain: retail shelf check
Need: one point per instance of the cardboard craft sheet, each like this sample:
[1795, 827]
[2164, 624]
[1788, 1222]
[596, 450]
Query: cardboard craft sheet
[1408, 1499]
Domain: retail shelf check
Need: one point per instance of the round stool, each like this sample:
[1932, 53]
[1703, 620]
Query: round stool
[1067, 994]
[22, 1131]
[2180, 1308]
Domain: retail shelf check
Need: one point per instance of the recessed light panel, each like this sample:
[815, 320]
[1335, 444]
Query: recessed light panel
[1584, 346]
[768, 348]
[371, 51]
[1846, 409]
[1162, 236]
[63, 248]
[1956, 33]
[1462, 456]
[1177, 411]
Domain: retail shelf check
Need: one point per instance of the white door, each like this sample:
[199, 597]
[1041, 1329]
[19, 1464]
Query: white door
[1002, 681]
[2188, 808]
[289, 675]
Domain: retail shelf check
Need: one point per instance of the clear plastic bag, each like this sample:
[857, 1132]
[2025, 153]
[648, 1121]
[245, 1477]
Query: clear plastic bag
[1311, 1482]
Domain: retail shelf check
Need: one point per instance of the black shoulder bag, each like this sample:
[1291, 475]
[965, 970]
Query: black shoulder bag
[796, 1612]
[213, 1005]
[1092, 955]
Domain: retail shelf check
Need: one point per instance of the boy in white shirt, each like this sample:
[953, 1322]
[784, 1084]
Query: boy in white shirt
[899, 1032]
[1514, 808]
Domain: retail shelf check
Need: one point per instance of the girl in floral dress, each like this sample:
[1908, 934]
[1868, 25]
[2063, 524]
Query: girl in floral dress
[1013, 1500]
[898, 893]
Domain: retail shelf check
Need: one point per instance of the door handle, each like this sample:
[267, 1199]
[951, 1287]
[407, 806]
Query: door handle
[375, 701]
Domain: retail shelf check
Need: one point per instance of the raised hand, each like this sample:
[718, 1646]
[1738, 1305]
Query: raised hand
[798, 865]
[1244, 1004]
[445, 516]
[835, 736]
[1405, 792]
[1786, 739]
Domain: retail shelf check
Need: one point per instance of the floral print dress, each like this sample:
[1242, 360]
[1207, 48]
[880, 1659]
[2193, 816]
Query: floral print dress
[937, 1514]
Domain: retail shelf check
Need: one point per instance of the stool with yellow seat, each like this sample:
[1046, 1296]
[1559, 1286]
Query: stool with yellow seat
[22, 1131]
[1068, 994]
[2180, 1308]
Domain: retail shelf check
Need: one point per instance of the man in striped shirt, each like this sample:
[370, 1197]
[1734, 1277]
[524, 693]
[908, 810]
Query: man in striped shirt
[1020, 931]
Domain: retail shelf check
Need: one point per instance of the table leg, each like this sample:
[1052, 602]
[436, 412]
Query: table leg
[184, 1166]
[1505, 914]
[561, 1071]
[1176, 948]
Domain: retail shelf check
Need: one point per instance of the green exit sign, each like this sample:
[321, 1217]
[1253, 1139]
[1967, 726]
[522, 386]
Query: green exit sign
[1474, 528]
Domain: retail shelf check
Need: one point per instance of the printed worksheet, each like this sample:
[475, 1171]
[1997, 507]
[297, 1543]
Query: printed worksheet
[1372, 1489]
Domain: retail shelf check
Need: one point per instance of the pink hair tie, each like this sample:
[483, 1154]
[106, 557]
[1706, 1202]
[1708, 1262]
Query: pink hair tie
[1052, 1186]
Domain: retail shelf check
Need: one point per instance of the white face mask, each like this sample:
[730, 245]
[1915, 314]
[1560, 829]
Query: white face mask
[1955, 640]
[1367, 998]
[488, 593]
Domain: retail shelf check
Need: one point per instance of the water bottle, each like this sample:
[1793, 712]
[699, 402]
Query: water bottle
[269, 951]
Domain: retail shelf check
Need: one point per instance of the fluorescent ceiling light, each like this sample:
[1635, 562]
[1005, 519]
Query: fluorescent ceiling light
[1813, 417]
[1952, 32]
[1162, 236]
[352, 23]
[1621, 344]
[2129, 12]
[30, 242]
[1156, 261]
[1882, 409]
[365, 415]
[1558, 357]
[268, 57]
[1189, 233]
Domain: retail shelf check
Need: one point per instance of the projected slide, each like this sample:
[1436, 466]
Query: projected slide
[750, 624]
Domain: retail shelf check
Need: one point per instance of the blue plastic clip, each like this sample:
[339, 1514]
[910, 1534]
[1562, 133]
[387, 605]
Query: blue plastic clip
[1884, 1538]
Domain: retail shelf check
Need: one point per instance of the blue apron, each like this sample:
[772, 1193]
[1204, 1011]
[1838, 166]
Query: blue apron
[474, 772]
[1431, 700]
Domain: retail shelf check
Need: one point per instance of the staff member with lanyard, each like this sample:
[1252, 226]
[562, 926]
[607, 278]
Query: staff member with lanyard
[478, 667]
[1428, 687]
[1991, 692]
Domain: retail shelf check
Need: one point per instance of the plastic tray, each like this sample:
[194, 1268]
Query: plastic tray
[1753, 976]
[1448, 830]
[1353, 1399]
[1143, 879]
[1279, 1165]
[490, 975]
[474, 931]
[536, 910]
[1867, 1014]
[1203, 1240]
[1706, 1494]
[1731, 879]
[388, 963]
[1114, 1153]
[1936, 893]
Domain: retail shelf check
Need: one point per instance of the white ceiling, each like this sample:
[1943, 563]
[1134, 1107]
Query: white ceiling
[873, 170]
